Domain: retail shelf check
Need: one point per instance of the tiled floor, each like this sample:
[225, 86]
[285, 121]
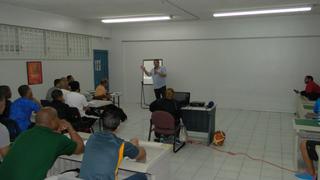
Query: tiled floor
[264, 135]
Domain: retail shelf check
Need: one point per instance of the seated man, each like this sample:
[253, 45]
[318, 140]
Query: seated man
[64, 86]
[6, 91]
[75, 99]
[57, 85]
[101, 92]
[22, 108]
[59, 105]
[34, 152]
[4, 133]
[309, 154]
[167, 104]
[312, 90]
[104, 152]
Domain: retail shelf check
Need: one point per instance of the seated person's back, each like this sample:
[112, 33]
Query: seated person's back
[104, 151]
[34, 152]
[6, 91]
[22, 108]
[167, 104]
[59, 105]
[75, 99]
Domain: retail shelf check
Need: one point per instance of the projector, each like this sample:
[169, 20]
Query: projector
[197, 104]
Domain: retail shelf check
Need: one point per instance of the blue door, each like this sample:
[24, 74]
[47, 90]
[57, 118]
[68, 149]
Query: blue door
[100, 66]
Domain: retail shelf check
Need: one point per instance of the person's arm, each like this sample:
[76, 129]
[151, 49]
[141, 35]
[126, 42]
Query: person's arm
[162, 72]
[142, 155]
[64, 125]
[4, 151]
[145, 71]
[4, 140]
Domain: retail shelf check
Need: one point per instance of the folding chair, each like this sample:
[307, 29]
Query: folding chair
[163, 123]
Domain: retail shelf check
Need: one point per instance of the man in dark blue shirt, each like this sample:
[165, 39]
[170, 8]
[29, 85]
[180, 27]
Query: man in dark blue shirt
[22, 108]
[104, 152]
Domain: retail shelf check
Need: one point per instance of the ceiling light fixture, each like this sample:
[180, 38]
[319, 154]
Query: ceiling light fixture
[262, 11]
[136, 19]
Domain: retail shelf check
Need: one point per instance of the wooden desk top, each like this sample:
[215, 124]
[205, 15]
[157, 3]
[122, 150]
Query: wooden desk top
[154, 150]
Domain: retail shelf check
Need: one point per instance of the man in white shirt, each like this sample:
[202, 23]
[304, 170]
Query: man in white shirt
[4, 134]
[75, 99]
[79, 101]
[64, 86]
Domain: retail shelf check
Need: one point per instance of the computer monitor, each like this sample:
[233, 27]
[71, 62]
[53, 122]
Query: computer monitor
[183, 98]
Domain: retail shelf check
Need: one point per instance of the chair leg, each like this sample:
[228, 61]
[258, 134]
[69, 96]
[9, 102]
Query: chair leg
[174, 145]
[149, 136]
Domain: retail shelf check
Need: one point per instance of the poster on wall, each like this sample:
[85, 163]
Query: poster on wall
[34, 70]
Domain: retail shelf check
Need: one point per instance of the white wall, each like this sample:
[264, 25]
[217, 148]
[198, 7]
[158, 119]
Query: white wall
[247, 63]
[13, 72]
[19, 16]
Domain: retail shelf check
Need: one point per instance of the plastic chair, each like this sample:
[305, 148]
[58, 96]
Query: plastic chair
[163, 123]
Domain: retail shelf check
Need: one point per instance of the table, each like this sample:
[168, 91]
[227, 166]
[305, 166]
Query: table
[309, 128]
[98, 103]
[199, 121]
[304, 106]
[156, 166]
[116, 95]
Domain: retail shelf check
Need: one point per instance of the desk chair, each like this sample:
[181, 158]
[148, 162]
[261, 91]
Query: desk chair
[45, 103]
[80, 124]
[163, 123]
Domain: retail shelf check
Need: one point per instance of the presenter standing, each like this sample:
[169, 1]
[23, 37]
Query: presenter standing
[159, 74]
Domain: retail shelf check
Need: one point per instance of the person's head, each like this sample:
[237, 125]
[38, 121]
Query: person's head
[104, 82]
[25, 91]
[64, 83]
[169, 93]
[2, 103]
[70, 78]
[57, 95]
[111, 120]
[75, 86]
[57, 83]
[6, 91]
[47, 117]
[308, 79]
[156, 63]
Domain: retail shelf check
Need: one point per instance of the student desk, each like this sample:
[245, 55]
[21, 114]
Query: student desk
[200, 121]
[304, 106]
[156, 166]
[98, 103]
[308, 129]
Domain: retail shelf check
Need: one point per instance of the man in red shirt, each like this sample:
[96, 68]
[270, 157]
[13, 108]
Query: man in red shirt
[312, 90]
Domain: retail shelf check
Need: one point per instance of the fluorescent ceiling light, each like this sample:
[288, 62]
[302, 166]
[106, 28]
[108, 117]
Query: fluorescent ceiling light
[262, 11]
[136, 19]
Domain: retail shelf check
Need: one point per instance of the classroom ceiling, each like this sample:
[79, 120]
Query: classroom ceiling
[95, 10]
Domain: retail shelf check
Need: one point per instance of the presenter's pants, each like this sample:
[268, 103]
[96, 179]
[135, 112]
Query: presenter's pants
[161, 92]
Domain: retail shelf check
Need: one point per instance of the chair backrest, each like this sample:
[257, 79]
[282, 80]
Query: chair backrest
[162, 120]
[74, 115]
[45, 103]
